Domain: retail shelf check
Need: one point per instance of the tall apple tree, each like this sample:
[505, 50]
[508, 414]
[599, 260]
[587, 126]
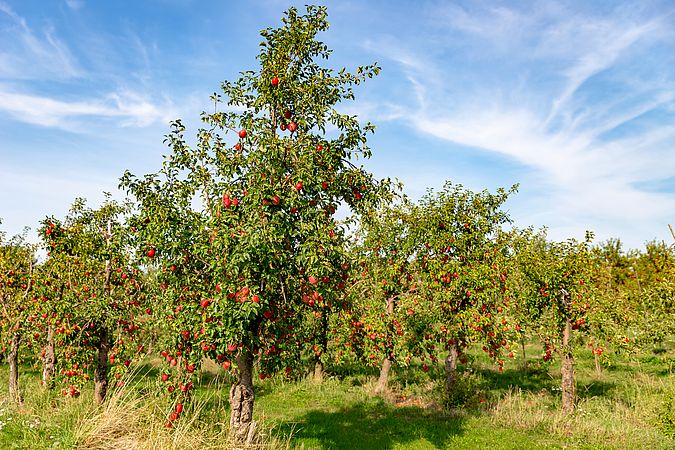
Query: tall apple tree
[241, 223]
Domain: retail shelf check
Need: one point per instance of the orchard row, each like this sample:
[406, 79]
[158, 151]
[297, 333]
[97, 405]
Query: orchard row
[231, 252]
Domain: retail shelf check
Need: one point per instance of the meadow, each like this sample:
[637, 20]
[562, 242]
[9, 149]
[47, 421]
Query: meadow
[627, 405]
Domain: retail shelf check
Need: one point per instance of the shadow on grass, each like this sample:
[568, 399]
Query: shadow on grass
[534, 379]
[595, 388]
[371, 425]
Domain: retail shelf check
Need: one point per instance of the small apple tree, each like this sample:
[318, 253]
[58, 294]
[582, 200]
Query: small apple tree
[17, 260]
[461, 255]
[90, 295]
[652, 313]
[556, 301]
[242, 230]
[383, 288]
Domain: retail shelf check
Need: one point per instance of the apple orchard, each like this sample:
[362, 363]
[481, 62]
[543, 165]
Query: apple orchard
[232, 252]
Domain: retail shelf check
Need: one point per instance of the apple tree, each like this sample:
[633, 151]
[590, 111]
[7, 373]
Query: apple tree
[91, 299]
[383, 290]
[241, 223]
[461, 256]
[17, 262]
[557, 299]
[653, 291]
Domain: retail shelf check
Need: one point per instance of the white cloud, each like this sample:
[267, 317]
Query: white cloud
[130, 108]
[593, 45]
[582, 178]
[26, 54]
[75, 4]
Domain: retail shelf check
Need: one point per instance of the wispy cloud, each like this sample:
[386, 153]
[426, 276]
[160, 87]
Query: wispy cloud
[27, 54]
[595, 46]
[554, 126]
[75, 4]
[129, 108]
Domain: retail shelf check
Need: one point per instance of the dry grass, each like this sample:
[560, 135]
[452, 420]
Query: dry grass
[130, 420]
[625, 423]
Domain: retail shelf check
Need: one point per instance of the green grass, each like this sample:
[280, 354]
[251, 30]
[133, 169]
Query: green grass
[625, 406]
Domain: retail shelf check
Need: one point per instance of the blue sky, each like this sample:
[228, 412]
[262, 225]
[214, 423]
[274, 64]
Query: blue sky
[573, 100]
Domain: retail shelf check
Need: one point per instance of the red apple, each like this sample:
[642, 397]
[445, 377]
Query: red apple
[255, 299]
[242, 134]
[276, 200]
[165, 377]
[298, 186]
[226, 200]
[275, 81]
[292, 127]
[287, 114]
[150, 253]
[313, 280]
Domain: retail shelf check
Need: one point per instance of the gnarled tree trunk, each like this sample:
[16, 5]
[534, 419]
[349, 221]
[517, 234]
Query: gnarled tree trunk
[522, 349]
[101, 370]
[49, 360]
[242, 397]
[451, 366]
[13, 360]
[567, 370]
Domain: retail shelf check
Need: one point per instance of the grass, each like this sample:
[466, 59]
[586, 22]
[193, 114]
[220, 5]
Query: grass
[625, 406]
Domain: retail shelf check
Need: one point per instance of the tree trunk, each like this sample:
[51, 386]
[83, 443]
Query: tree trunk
[13, 360]
[319, 368]
[318, 371]
[522, 348]
[242, 427]
[567, 370]
[382, 381]
[101, 371]
[451, 367]
[49, 360]
[598, 366]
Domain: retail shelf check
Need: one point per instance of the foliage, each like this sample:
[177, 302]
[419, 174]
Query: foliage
[249, 255]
